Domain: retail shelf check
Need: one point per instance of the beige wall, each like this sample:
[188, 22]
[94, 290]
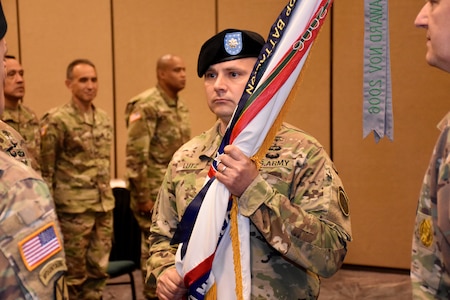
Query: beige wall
[124, 39]
[383, 180]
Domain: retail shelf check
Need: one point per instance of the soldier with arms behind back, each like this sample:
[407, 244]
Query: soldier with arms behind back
[158, 124]
[76, 147]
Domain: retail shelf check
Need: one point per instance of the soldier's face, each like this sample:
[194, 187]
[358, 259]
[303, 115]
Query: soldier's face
[435, 18]
[174, 75]
[224, 84]
[14, 82]
[3, 50]
[83, 83]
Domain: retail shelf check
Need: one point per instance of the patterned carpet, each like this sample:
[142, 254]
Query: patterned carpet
[351, 282]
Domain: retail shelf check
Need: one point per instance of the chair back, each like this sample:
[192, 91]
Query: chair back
[127, 234]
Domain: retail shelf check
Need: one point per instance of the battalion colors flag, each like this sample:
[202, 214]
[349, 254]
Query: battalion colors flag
[207, 258]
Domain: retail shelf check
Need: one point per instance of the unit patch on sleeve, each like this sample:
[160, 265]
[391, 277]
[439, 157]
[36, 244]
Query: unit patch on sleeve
[39, 246]
[343, 202]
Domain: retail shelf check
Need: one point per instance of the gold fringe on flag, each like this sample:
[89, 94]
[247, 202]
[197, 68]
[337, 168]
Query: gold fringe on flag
[234, 233]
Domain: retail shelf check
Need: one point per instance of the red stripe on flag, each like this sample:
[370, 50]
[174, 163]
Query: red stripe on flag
[200, 270]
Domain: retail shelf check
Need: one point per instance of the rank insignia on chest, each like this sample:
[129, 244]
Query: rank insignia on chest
[426, 232]
[343, 202]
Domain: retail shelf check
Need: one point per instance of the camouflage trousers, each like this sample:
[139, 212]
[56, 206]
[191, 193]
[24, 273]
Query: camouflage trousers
[144, 221]
[87, 242]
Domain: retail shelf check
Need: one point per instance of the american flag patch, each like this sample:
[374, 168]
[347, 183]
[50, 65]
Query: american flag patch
[134, 116]
[39, 246]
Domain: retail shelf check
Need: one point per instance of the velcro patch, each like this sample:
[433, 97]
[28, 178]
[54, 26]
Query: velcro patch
[343, 202]
[51, 268]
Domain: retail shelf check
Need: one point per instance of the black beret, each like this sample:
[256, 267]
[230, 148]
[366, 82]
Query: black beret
[3, 25]
[229, 44]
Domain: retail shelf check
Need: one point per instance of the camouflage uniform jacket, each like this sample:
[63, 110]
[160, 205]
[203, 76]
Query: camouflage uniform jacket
[27, 214]
[13, 144]
[298, 209]
[76, 159]
[157, 127]
[25, 121]
[430, 266]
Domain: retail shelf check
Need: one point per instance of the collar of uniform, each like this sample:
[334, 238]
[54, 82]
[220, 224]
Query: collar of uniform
[213, 142]
[77, 111]
[444, 122]
[171, 102]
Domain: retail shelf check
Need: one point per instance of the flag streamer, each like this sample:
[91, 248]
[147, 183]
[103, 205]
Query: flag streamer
[377, 106]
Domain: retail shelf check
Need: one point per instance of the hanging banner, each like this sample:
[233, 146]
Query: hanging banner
[377, 107]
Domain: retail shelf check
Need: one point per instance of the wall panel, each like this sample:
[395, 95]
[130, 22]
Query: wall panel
[383, 180]
[12, 34]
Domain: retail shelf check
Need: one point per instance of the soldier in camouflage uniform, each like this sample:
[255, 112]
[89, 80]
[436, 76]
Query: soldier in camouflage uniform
[76, 143]
[27, 216]
[11, 142]
[158, 124]
[17, 115]
[300, 222]
[430, 265]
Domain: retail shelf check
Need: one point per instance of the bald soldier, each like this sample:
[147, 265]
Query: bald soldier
[158, 124]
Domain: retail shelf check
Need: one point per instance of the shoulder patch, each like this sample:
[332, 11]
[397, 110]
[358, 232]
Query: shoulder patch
[51, 269]
[343, 202]
[134, 117]
[39, 246]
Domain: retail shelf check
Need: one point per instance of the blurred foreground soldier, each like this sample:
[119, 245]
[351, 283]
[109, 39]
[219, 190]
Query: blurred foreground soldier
[296, 204]
[76, 145]
[32, 260]
[430, 266]
[158, 124]
[17, 115]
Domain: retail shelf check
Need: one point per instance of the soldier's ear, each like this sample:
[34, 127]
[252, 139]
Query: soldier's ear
[68, 83]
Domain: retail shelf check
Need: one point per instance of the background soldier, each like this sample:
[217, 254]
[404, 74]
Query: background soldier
[158, 124]
[17, 115]
[76, 145]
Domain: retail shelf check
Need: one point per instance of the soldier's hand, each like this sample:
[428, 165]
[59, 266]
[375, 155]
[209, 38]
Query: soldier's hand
[235, 170]
[170, 285]
[145, 209]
